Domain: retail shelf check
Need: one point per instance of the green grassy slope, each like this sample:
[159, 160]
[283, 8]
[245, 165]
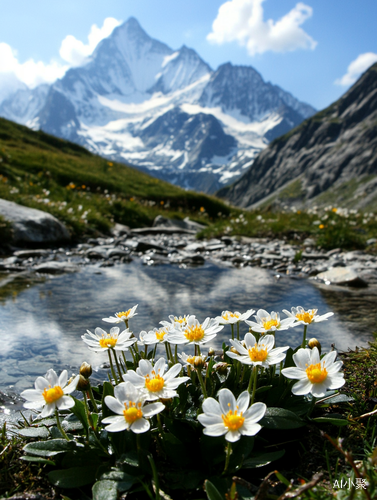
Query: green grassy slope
[85, 191]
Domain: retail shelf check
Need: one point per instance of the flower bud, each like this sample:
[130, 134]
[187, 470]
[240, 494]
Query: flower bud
[211, 351]
[85, 369]
[221, 368]
[314, 343]
[234, 350]
[82, 384]
[199, 362]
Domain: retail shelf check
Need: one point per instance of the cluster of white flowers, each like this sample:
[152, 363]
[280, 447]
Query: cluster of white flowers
[140, 394]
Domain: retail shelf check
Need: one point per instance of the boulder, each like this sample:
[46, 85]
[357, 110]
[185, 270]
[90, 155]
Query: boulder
[32, 226]
[341, 276]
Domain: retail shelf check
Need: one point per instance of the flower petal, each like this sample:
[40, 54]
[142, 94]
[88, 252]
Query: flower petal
[140, 425]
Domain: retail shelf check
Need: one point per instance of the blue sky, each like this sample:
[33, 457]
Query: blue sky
[304, 47]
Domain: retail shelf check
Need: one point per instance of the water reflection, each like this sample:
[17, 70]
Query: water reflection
[41, 327]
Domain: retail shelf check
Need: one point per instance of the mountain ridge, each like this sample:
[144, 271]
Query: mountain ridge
[330, 157]
[132, 80]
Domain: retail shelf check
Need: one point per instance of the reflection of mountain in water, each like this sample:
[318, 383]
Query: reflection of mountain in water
[44, 323]
[356, 307]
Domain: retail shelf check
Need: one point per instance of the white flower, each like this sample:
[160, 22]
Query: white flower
[178, 321]
[191, 360]
[50, 393]
[194, 332]
[230, 417]
[156, 336]
[229, 318]
[102, 341]
[306, 317]
[315, 375]
[153, 381]
[269, 322]
[258, 353]
[122, 316]
[129, 405]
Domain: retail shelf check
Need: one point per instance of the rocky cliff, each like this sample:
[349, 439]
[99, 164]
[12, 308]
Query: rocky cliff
[331, 158]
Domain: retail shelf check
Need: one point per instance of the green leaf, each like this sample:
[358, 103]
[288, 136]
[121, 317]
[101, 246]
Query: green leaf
[261, 459]
[72, 423]
[279, 418]
[49, 448]
[241, 450]
[124, 481]
[108, 390]
[105, 490]
[74, 477]
[38, 460]
[337, 398]
[34, 432]
[79, 411]
[340, 422]
[130, 458]
[212, 492]
[263, 389]
[185, 480]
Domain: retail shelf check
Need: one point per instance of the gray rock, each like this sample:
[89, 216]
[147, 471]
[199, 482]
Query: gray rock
[186, 224]
[32, 226]
[341, 276]
[55, 267]
[24, 254]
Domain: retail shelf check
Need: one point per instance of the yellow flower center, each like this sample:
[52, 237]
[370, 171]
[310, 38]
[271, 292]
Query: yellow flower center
[180, 319]
[160, 334]
[123, 314]
[193, 333]
[107, 342]
[258, 353]
[232, 421]
[269, 324]
[53, 394]
[316, 374]
[229, 315]
[154, 384]
[306, 316]
[190, 359]
[132, 413]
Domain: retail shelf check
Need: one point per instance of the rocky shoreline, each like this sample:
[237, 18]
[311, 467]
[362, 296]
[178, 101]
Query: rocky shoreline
[167, 243]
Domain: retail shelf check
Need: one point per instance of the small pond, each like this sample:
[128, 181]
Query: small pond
[42, 318]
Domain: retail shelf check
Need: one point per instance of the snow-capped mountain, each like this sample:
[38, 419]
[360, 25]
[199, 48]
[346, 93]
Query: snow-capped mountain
[162, 110]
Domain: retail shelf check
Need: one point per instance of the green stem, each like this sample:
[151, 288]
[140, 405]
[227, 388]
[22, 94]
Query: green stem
[117, 363]
[176, 353]
[232, 327]
[228, 453]
[112, 367]
[92, 398]
[125, 361]
[199, 372]
[167, 351]
[199, 351]
[155, 477]
[154, 353]
[88, 415]
[171, 353]
[238, 330]
[255, 384]
[133, 355]
[62, 432]
[251, 379]
[303, 345]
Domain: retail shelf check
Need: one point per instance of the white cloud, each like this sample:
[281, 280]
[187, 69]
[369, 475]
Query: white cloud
[72, 51]
[356, 68]
[31, 73]
[242, 21]
[75, 52]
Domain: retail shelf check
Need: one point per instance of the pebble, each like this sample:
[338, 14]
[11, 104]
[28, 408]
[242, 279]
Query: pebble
[165, 243]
